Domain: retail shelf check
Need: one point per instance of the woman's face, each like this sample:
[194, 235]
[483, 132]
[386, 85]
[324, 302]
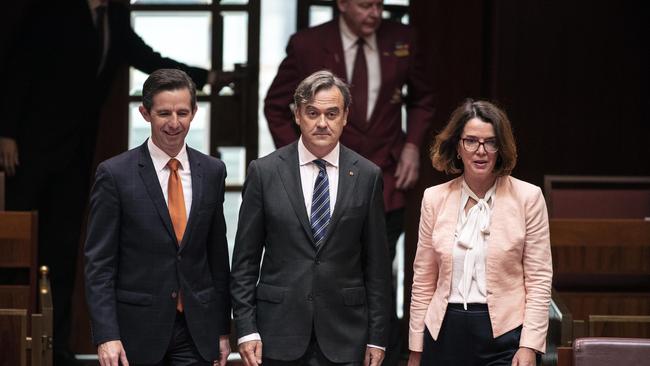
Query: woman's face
[477, 149]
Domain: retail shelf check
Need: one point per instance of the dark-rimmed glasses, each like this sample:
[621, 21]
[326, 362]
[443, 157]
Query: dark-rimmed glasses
[472, 145]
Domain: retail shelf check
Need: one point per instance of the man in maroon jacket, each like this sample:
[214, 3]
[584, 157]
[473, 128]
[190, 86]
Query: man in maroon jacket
[390, 60]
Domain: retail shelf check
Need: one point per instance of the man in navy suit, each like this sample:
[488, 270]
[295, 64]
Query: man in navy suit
[157, 271]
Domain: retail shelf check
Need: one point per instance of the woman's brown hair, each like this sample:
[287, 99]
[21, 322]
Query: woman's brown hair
[444, 151]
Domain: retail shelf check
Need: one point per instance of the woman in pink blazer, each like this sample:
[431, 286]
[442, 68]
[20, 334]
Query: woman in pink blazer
[482, 272]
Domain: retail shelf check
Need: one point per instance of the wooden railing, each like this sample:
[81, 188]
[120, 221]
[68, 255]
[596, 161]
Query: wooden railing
[19, 347]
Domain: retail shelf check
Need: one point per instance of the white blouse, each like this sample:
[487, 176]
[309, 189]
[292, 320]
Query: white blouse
[468, 269]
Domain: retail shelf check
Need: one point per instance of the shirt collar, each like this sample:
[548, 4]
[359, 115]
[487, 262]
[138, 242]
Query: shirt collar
[467, 193]
[305, 156]
[93, 5]
[350, 39]
[160, 158]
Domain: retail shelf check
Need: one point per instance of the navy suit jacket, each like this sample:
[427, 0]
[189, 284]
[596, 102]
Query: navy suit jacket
[135, 267]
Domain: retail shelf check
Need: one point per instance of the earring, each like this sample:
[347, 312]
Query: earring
[458, 156]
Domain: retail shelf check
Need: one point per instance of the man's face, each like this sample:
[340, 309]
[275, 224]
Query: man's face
[322, 120]
[170, 118]
[362, 16]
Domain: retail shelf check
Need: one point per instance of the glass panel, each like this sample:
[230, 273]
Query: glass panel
[198, 138]
[172, 2]
[388, 15]
[396, 2]
[235, 159]
[319, 14]
[183, 36]
[233, 2]
[231, 203]
[277, 24]
[235, 39]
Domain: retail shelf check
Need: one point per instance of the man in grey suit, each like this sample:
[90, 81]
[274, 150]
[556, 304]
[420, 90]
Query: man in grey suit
[313, 213]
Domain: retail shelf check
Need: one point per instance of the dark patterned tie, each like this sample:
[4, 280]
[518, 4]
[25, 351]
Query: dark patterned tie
[320, 204]
[360, 86]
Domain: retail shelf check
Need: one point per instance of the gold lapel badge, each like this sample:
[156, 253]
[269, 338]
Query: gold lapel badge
[401, 49]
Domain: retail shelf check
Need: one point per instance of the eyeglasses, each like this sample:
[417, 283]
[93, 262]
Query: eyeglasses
[472, 145]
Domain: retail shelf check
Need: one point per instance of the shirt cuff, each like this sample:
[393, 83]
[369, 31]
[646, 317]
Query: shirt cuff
[250, 337]
[381, 348]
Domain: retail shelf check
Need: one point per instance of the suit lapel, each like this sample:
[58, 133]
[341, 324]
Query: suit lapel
[348, 173]
[448, 219]
[289, 172]
[150, 179]
[333, 46]
[496, 221]
[196, 170]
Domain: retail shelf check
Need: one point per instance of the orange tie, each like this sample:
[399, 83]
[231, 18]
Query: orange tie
[176, 206]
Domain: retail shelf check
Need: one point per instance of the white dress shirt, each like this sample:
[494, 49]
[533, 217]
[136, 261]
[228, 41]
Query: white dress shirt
[160, 160]
[350, 47]
[309, 171]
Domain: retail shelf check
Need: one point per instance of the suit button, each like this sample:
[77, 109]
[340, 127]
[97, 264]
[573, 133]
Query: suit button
[310, 297]
[317, 261]
[174, 294]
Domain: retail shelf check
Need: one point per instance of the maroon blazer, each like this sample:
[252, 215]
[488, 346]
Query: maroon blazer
[380, 139]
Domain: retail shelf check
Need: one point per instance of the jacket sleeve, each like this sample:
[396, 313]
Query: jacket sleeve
[101, 254]
[425, 276]
[218, 257]
[377, 271]
[538, 273]
[280, 96]
[248, 253]
[143, 57]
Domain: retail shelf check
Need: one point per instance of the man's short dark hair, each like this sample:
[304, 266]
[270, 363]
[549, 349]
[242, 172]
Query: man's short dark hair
[320, 80]
[166, 80]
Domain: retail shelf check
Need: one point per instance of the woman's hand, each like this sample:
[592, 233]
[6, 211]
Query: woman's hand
[414, 358]
[523, 357]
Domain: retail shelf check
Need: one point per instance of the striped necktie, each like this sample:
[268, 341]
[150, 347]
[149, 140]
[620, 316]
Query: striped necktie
[320, 204]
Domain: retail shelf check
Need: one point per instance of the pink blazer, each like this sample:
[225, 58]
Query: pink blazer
[518, 269]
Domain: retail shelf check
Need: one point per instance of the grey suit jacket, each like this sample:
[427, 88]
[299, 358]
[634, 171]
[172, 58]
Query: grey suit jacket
[340, 292]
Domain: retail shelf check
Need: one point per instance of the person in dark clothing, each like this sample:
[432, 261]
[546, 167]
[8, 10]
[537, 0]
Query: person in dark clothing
[60, 74]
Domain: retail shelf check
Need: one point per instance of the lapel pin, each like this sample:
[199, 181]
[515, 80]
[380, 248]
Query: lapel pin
[351, 173]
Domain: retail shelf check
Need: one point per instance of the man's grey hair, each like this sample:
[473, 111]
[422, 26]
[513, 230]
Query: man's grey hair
[320, 80]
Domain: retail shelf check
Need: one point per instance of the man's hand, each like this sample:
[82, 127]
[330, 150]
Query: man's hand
[524, 357]
[414, 358]
[251, 353]
[8, 155]
[224, 350]
[111, 353]
[408, 167]
[374, 356]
